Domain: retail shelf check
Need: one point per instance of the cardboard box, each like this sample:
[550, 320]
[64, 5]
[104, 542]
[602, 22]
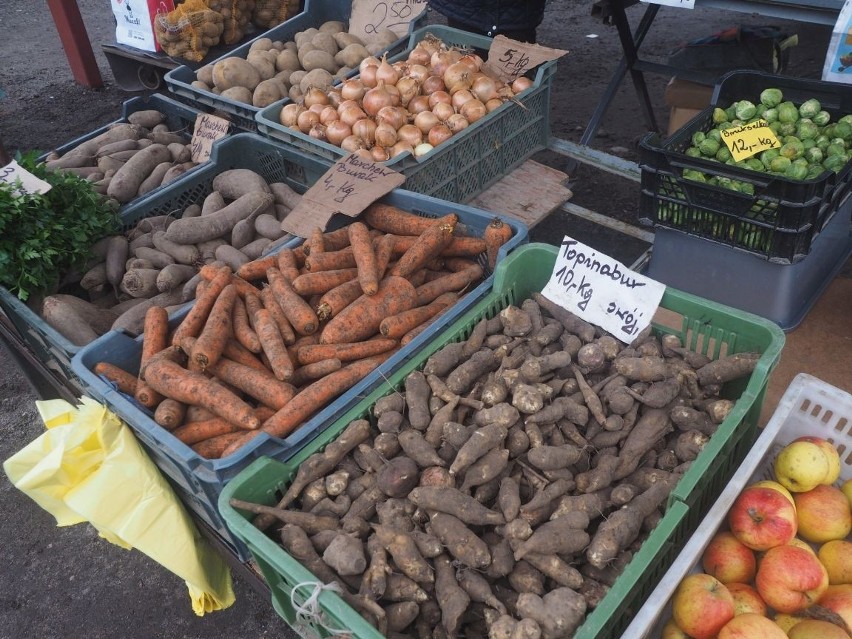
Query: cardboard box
[686, 100]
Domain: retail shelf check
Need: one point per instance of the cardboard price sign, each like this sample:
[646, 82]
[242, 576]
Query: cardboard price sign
[509, 59]
[13, 173]
[749, 139]
[208, 129]
[371, 16]
[603, 291]
[348, 187]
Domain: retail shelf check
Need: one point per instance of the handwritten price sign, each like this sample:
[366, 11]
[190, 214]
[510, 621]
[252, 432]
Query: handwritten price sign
[749, 139]
[602, 290]
[27, 183]
[208, 129]
[370, 16]
[509, 59]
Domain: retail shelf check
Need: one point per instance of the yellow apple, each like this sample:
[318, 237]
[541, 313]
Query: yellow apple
[768, 483]
[746, 599]
[836, 556]
[751, 626]
[838, 599]
[790, 578]
[728, 559]
[795, 541]
[785, 621]
[831, 455]
[671, 631]
[847, 490]
[801, 466]
[701, 605]
[816, 629]
[762, 518]
[823, 514]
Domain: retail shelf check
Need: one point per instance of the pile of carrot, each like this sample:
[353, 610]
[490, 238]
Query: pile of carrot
[265, 347]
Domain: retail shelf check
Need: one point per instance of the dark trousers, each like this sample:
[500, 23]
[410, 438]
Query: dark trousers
[521, 35]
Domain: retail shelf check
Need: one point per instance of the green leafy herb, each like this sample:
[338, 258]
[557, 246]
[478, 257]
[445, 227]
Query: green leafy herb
[43, 235]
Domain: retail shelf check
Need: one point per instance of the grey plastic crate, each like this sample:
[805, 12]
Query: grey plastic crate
[469, 162]
[316, 12]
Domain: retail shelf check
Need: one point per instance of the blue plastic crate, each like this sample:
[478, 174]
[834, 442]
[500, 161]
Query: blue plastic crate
[469, 162]
[315, 13]
[199, 481]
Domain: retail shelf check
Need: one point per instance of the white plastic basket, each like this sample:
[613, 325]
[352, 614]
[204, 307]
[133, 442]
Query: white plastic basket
[809, 407]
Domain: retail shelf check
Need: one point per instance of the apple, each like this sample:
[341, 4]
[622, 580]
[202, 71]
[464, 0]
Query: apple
[790, 578]
[801, 466]
[816, 629]
[831, 455]
[728, 559]
[823, 514]
[836, 556]
[847, 490]
[785, 621]
[701, 605]
[746, 599]
[671, 631]
[838, 599]
[795, 541]
[762, 518]
[768, 483]
[751, 626]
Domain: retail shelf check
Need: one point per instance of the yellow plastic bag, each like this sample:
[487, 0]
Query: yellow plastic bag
[88, 466]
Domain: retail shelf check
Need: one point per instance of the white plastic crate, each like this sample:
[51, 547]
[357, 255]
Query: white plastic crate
[809, 407]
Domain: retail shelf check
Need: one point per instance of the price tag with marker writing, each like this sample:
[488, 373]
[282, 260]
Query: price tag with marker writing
[509, 59]
[602, 290]
[371, 16]
[348, 187]
[208, 129]
[13, 173]
[749, 139]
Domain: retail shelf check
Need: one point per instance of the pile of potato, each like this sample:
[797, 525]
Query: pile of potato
[236, 17]
[502, 491]
[189, 31]
[274, 70]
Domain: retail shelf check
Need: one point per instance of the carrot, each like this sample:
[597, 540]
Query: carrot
[454, 264]
[422, 276]
[317, 370]
[194, 432]
[256, 269]
[320, 282]
[278, 316]
[243, 288]
[365, 257]
[243, 331]
[261, 385]
[176, 382]
[390, 219]
[316, 242]
[300, 255]
[155, 336]
[287, 264]
[414, 332]
[197, 315]
[496, 234]
[197, 414]
[331, 260]
[460, 246]
[361, 318]
[428, 244]
[170, 413]
[215, 447]
[264, 412]
[217, 330]
[454, 282]
[396, 326]
[383, 248]
[331, 241]
[237, 441]
[210, 271]
[311, 353]
[235, 351]
[273, 345]
[302, 317]
[124, 381]
[338, 298]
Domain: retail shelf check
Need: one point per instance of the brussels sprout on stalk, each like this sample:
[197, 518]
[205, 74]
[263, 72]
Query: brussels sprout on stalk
[809, 108]
[822, 118]
[771, 97]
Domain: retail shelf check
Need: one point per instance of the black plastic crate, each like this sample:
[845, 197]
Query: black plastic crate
[783, 217]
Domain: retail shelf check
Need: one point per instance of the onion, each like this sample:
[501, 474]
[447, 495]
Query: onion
[385, 135]
[438, 134]
[419, 55]
[443, 110]
[337, 131]
[369, 61]
[368, 77]
[400, 148]
[394, 94]
[353, 89]
[352, 143]
[318, 131]
[418, 72]
[422, 149]
[375, 99]
[439, 62]
[379, 153]
[484, 88]
[425, 120]
[328, 115]
[431, 84]
[456, 122]
[493, 103]
[364, 153]
[395, 116]
[306, 120]
[318, 108]
[473, 111]
[289, 113]
[315, 95]
[365, 129]
[348, 103]
[408, 89]
[334, 98]
[350, 115]
[430, 44]
[438, 97]
[521, 84]
[419, 104]
[409, 133]
[386, 72]
[460, 97]
[457, 77]
[472, 60]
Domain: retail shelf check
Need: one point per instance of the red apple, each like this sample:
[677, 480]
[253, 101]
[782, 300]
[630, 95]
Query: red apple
[823, 514]
[762, 518]
[816, 628]
[671, 631]
[746, 599]
[751, 626]
[790, 578]
[728, 559]
[701, 605]
[838, 599]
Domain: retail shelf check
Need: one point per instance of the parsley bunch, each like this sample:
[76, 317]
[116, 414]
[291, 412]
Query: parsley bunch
[43, 235]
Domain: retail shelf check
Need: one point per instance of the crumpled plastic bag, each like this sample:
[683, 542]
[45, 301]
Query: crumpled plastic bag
[88, 467]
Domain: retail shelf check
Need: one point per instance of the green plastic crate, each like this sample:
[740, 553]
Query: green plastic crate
[703, 325]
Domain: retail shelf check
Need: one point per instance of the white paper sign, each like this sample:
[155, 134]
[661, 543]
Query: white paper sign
[208, 129]
[683, 4]
[13, 172]
[602, 290]
[371, 16]
[838, 58]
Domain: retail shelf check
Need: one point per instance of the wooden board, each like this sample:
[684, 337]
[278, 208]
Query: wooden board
[528, 194]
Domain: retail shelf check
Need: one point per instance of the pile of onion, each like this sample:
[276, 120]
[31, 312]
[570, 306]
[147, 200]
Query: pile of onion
[412, 105]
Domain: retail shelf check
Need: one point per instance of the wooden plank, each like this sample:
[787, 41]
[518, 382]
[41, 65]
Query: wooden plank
[528, 194]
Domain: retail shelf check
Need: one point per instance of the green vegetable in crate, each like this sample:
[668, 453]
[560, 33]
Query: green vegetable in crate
[797, 171]
[723, 154]
[771, 97]
[719, 116]
[745, 110]
[709, 147]
[814, 155]
[835, 149]
[768, 155]
[696, 176]
[806, 129]
[770, 115]
[835, 162]
[693, 152]
[792, 149]
[780, 164]
[822, 118]
[786, 129]
[697, 138]
[809, 108]
[787, 113]
[755, 164]
[843, 129]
